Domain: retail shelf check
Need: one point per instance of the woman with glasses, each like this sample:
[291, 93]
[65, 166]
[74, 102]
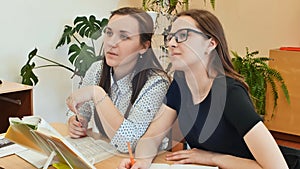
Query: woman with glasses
[122, 92]
[212, 104]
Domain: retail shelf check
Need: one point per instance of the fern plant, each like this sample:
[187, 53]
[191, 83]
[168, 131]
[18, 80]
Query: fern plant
[257, 75]
[81, 54]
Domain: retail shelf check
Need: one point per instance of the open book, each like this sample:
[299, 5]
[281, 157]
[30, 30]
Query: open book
[39, 136]
[179, 166]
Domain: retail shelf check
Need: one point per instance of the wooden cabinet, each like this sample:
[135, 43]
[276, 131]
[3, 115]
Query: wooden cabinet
[286, 119]
[15, 100]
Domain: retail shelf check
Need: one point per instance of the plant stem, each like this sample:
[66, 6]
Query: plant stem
[76, 39]
[56, 63]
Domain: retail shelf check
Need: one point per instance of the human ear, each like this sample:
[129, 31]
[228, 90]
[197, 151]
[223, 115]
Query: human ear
[212, 44]
[145, 47]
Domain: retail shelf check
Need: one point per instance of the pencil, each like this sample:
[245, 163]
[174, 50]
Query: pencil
[132, 161]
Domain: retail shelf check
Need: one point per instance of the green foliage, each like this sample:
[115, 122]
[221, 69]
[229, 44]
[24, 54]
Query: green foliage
[81, 55]
[212, 3]
[257, 75]
[167, 6]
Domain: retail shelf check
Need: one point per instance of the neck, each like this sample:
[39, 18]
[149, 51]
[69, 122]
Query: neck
[199, 84]
[122, 71]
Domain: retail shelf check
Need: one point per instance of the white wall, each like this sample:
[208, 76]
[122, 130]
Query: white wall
[26, 24]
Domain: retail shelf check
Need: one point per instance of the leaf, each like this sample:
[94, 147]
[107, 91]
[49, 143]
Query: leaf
[213, 4]
[28, 77]
[82, 58]
[66, 36]
[90, 28]
[257, 74]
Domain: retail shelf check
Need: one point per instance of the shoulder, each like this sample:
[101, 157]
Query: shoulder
[93, 74]
[235, 85]
[157, 77]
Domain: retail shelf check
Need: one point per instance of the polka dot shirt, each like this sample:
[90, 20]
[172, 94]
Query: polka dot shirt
[142, 112]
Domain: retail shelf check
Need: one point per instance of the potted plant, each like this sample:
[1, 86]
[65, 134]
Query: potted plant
[257, 75]
[81, 54]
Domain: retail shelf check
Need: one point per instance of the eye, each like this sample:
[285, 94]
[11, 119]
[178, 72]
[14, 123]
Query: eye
[108, 32]
[124, 36]
[182, 35]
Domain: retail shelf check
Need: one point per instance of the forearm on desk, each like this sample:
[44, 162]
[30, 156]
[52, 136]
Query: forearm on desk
[224, 161]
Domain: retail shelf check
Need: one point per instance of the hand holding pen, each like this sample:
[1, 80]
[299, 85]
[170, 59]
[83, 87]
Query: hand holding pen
[77, 126]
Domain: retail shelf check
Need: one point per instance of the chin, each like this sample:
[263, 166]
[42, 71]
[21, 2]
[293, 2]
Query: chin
[111, 63]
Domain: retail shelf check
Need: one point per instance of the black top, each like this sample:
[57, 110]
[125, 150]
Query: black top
[220, 121]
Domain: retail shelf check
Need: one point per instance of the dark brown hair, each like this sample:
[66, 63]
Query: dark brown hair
[146, 65]
[211, 26]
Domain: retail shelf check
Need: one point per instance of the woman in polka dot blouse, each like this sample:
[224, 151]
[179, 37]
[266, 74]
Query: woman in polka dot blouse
[121, 93]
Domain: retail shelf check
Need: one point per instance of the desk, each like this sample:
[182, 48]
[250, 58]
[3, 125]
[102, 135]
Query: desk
[15, 100]
[15, 162]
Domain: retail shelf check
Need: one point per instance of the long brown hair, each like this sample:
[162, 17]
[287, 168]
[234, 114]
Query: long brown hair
[211, 26]
[145, 66]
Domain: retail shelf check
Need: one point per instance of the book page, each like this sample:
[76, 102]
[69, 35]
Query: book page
[179, 166]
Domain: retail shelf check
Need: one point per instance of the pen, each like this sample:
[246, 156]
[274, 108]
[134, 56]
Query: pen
[76, 118]
[132, 161]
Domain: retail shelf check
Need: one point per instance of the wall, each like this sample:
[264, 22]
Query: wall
[259, 25]
[26, 24]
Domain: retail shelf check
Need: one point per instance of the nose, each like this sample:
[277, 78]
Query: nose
[172, 43]
[112, 41]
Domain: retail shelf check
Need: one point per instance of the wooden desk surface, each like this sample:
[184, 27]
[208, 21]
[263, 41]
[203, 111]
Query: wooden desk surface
[15, 162]
[8, 87]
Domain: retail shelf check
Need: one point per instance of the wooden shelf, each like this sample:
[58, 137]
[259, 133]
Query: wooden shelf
[15, 101]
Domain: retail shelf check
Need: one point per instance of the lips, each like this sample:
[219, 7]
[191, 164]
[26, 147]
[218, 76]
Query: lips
[175, 54]
[111, 53]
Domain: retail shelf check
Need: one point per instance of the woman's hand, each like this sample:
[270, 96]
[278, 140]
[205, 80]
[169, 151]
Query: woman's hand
[78, 97]
[192, 156]
[77, 128]
[139, 164]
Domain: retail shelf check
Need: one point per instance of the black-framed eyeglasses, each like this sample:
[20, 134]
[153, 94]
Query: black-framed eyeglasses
[182, 34]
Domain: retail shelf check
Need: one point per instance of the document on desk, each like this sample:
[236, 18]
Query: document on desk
[179, 166]
[78, 153]
[36, 159]
[7, 148]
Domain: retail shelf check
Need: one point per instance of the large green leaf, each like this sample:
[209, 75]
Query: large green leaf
[90, 28]
[66, 36]
[82, 58]
[28, 76]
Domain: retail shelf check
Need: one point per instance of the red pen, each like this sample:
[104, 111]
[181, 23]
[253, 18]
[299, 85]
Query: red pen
[132, 161]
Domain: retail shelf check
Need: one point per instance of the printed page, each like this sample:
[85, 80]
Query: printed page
[159, 166]
[179, 166]
[36, 159]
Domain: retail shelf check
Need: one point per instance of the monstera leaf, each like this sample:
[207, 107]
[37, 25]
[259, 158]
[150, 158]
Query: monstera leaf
[80, 54]
[90, 28]
[66, 36]
[28, 77]
[82, 57]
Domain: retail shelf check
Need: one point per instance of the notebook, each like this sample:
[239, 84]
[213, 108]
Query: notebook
[41, 137]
